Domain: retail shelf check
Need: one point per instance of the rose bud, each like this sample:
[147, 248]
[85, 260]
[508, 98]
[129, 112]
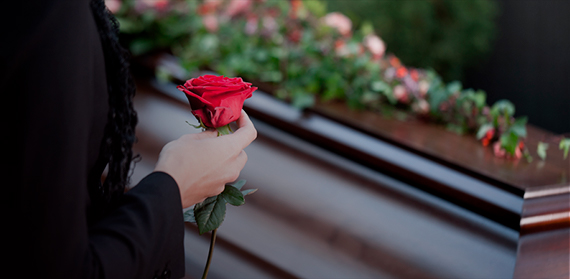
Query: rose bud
[216, 100]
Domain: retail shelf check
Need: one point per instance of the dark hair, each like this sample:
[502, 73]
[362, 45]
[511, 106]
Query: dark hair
[121, 120]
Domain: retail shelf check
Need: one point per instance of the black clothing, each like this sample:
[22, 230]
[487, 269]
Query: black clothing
[52, 79]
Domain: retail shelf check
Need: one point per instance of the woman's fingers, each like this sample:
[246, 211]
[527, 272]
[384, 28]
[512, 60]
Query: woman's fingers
[244, 135]
[204, 135]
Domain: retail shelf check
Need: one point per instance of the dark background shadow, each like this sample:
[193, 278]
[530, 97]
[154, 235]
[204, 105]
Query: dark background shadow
[530, 62]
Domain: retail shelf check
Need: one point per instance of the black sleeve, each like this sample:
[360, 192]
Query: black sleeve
[143, 237]
[53, 85]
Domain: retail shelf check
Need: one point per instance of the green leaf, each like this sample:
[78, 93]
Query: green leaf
[480, 98]
[384, 88]
[436, 96]
[129, 26]
[519, 127]
[458, 129]
[238, 184]
[454, 86]
[503, 107]
[510, 142]
[565, 145]
[484, 129]
[526, 154]
[379, 86]
[248, 192]
[141, 45]
[210, 213]
[303, 100]
[233, 196]
[541, 150]
[189, 216]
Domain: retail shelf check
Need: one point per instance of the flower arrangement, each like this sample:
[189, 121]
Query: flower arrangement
[307, 54]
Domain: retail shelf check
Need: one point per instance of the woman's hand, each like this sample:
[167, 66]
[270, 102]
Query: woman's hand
[203, 163]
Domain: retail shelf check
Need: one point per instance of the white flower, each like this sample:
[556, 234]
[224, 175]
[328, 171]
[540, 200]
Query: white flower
[269, 25]
[375, 45]
[400, 93]
[421, 107]
[423, 87]
[338, 21]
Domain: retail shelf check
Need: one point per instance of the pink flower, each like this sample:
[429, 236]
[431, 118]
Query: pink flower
[498, 150]
[251, 25]
[421, 107]
[113, 5]
[423, 87]
[389, 74]
[210, 21]
[144, 5]
[214, 3]
[295, 35]
[375, 45]
[401, 93]
[269, 25]
[161, 4]
[296, 5]
[518, 153]
[236, 7]
[415, 75]
[340, 22]
[209, 6]
[502, 153]
[341, 49]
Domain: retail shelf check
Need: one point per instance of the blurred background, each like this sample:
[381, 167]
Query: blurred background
[515, 50]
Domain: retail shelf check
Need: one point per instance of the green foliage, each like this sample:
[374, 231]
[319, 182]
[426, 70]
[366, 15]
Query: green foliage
[304, 60]
[484, 129]
[210, 213]
[144, 29]
[565, 146]
[541, 150]
[449, 36]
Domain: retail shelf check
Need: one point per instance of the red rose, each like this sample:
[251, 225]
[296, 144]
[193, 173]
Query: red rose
[216, 100]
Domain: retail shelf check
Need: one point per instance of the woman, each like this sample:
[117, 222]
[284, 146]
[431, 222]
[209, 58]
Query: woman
[69, 96]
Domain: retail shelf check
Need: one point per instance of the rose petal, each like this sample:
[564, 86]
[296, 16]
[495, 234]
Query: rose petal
[195, 100]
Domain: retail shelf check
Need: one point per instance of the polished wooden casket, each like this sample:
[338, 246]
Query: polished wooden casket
[350, 194]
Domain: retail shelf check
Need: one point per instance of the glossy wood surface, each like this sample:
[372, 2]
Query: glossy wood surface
[544, 244]
[319, 215]
[544, 254]
[462, 152]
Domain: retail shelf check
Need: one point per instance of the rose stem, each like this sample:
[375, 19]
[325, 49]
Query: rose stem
[212, 243]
